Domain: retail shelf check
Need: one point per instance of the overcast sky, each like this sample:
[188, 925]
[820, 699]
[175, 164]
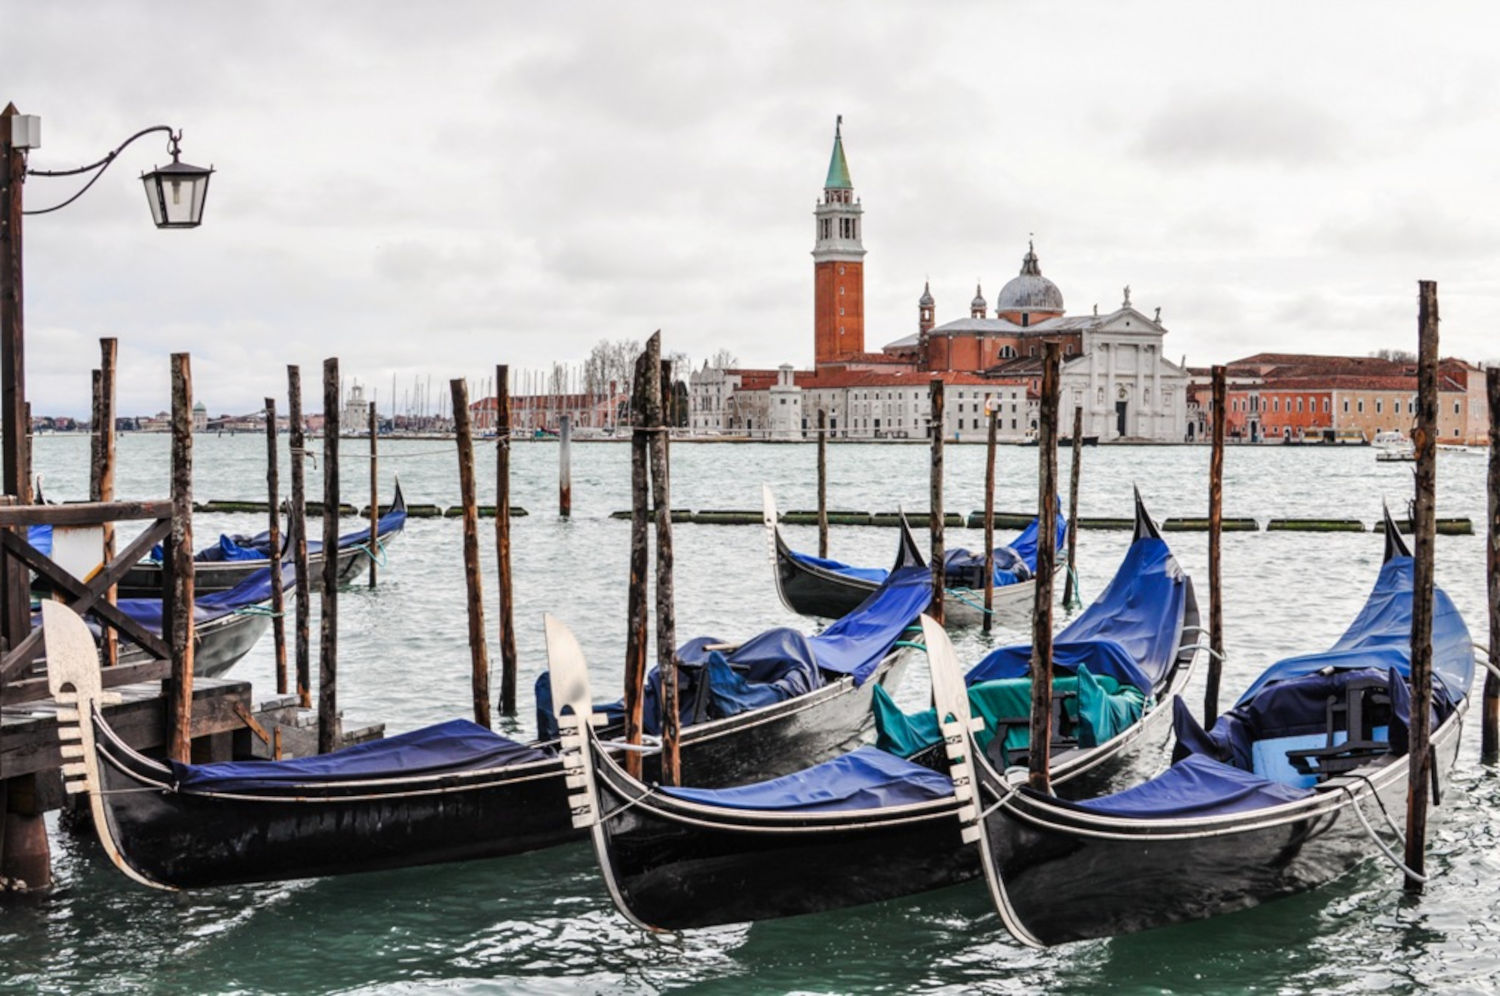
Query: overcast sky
[429, 189]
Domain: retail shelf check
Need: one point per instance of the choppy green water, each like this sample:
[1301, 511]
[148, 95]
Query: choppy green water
[543, 923]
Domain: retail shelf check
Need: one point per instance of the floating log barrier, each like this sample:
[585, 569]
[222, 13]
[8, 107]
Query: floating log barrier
[485, 512]
[1001, 520]
[915, 519]
[1315, 526]
[220, 505]
[725, 517]
[1103, 522]
[809, 517]
[315, 509]
[1189, 524]
[1443, 527]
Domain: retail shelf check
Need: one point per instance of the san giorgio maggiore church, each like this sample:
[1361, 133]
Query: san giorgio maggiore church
[1112, 363]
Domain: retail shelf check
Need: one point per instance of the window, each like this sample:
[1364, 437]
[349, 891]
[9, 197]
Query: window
[1299, 404]
[1379, 406]
[1275, 404]
[1325, 406]
[1455, 411]
[1360, 405]
[1012, 421]
[1346, 406]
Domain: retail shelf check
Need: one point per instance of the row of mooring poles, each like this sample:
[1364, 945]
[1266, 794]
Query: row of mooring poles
[1420, 767]
[935, 500]
[1490, 714]
[1218, 408]
[102, 475]
[651, 499]
[1039, 750]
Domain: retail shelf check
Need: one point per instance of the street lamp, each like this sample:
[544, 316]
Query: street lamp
[175, 193]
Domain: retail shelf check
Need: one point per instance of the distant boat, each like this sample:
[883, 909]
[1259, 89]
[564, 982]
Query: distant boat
[1394, 447]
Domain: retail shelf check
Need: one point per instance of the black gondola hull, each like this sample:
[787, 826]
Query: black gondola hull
[1069, 876]
[185, 839]
[217, 645]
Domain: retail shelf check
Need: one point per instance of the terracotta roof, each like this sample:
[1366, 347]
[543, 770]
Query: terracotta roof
[826, 378]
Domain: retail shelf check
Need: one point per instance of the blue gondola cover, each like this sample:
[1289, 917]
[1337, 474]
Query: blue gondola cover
[1195, 786]
[457, 745]
[866, 778]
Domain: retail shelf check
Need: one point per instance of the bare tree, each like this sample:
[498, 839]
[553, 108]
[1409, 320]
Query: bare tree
[1395, 355]
[723, 359]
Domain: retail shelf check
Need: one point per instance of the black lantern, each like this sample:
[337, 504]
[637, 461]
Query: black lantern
[176, 193]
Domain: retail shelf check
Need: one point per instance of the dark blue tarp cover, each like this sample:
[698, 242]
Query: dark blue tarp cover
[873, 574]
[256, 588]
[228, 549]
[866, 778]
[776, 665]
[457, 745]
[1195, 786]
[1131, 632]
[1380, 637]
[40, 537]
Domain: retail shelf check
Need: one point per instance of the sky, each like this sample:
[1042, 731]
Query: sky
[427, 190]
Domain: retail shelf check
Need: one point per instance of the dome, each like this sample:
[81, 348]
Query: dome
[978, 304]
[200, 407]
[1030, 291]
[925, 301]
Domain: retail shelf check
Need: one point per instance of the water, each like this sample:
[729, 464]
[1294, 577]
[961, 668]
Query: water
[543, 923]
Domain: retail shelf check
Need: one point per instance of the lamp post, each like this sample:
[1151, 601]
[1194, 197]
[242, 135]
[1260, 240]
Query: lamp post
[176, 194]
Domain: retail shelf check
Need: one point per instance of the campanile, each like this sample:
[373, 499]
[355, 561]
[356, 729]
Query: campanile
[838, 264]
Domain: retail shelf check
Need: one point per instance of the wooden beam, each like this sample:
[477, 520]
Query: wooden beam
[1424, 437]
[479, 662]
[1039, 751]
[84, 513]
[177, 615]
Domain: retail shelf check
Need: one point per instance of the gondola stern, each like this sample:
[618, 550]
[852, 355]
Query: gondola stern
[1145, 528]
[1395, 545]
[75, 683]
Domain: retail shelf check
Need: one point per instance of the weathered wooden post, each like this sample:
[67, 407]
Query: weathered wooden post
[1039, 751]
[1490, 719]
[935, 503]
[992, 409]
[666, 611]
[374, 489]
[479, 657]
[329, 734]
[1424, 437]
[502, 541]
[565, 466]
[180, 556]
[102, 479]
[297, 523]
[822, 483]
[273, 506]
[635, 611]
[1070, 586]
[1215, 533]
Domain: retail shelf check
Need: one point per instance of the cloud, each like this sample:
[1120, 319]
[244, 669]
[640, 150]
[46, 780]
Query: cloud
[1242, 129]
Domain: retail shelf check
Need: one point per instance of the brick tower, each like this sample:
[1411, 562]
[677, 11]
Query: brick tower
[838, 265]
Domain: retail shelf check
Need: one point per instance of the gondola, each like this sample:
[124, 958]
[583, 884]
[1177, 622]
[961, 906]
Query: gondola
[816, 586]
[451, 791]
[871, 825]
[232, 559]
[226, 624]
[1291, 788]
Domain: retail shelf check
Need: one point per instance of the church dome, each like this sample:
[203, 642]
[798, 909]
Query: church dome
[925, 301]
[1030, 291]
[978, 304]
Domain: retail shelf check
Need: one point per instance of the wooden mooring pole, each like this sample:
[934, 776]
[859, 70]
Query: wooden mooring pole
[180, 558]
[1424, 437]
[502, 541]
[935, 499]
[1071, 595]
[822, 483]
[1490, 715]
[297, 523]
[1217, 410]
[329, 734]
[1039, 749]
[565, 466]
[479, 655]
[374, 489]
[992, 408]
[273, 506]
[102, 480]
[635, 609]
[666, 610]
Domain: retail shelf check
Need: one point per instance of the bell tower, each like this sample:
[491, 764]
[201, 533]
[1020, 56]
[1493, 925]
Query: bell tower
[838, 264]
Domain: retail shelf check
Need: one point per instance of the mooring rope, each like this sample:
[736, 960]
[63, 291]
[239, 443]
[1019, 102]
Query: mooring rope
[257, 610]
[365, 549]
[1375, 839]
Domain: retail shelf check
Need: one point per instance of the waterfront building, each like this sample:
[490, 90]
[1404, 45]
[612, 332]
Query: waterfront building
[1113, 365]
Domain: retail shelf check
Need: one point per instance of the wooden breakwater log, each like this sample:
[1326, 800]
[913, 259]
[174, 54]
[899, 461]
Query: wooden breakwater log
[1444, 527]
[835, 517]
[1190, 524]
[678, 515]
[914, 519]
[724, 517]
[1002, 520]
[220, 505]
[485, 511]
[315, 509]
[1315, 526]
[1104, 522]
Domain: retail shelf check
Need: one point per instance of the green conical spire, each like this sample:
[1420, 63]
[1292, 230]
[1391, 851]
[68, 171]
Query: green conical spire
[838, 166]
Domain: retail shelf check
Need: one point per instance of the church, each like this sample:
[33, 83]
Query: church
[1112, 363]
